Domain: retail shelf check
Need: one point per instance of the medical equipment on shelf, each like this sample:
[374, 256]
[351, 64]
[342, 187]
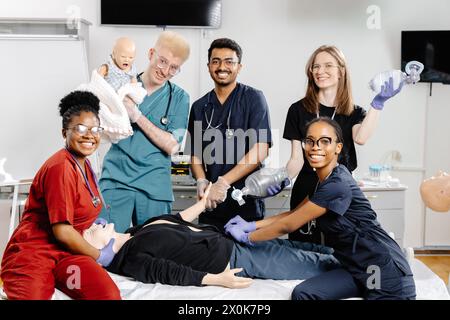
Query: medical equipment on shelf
[413, 69]
[257, 183]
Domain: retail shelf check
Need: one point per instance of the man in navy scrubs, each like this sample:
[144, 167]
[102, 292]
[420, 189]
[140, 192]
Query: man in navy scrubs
[229, 136]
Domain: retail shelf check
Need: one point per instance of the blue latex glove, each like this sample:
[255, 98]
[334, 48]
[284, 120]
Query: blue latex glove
[239, 235]
[276, 189]
[107, 254]
[387, 91]
[101, 221]
[237, 221]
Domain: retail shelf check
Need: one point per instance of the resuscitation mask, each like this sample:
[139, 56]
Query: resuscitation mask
[413, 69]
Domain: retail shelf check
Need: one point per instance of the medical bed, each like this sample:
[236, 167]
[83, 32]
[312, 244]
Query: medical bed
[428, 287]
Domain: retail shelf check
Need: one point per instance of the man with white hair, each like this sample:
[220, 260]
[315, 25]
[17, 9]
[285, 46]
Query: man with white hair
[136, 178]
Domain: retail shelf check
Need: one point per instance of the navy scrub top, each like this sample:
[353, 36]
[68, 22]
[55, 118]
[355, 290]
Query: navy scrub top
[350, 226]
[248, 110]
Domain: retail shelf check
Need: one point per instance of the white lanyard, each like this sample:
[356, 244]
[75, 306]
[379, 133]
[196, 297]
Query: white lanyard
[332, 117]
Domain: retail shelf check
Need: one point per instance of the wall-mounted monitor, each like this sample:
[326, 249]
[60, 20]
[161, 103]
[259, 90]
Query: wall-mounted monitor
[165, 13]
[432, 48]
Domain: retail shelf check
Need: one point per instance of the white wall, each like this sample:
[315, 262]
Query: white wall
[277, 37]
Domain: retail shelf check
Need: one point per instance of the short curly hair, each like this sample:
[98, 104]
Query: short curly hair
[76, 102]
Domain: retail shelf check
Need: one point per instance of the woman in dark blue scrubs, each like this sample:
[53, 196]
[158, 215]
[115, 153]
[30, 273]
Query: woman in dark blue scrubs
[374, 266]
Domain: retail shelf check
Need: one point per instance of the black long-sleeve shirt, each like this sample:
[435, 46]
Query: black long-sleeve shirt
[172, 253]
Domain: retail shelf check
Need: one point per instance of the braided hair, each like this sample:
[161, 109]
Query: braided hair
[77, 102]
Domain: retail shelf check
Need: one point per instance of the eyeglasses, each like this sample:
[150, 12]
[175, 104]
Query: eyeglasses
[81, 129]
[322, 142]
[163, 63]
[327, 67]
[229, 62]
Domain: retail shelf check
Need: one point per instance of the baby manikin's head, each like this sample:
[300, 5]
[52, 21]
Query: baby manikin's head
[435, 192]
[123, 53]
[99, 236]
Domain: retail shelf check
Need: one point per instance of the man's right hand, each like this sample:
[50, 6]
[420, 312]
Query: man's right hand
[218, 193]
[106, 254]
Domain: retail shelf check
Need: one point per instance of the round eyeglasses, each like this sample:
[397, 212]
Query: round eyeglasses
[81, 129]
[322, 142]
[326, 67]
[163, 63]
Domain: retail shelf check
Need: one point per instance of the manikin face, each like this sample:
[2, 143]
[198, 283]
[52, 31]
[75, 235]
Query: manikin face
[435, 192]
[320, 146]
[82, 145]
[326, 71]
[123, 54]
[224, 66]
[99, 236]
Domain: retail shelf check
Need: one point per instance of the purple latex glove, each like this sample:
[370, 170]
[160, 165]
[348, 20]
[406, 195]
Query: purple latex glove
[107, 254]
[101, 221]
[276, 189]
[239, 235]
[238, 222]
[387, 91]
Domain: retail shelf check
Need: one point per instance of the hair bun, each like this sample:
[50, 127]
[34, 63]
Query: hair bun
[79, 98]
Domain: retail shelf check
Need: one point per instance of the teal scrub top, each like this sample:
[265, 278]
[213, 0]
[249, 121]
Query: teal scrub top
[135, 163]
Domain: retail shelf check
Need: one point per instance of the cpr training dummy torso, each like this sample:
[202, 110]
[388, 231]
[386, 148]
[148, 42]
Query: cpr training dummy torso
[435, 192]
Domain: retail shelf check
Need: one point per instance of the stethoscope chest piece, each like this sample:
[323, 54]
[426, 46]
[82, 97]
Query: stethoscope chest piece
[96, 201]
[164, 121]
[229, 133]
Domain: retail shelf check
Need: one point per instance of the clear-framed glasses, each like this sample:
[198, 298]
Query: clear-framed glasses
[163, 63]
[327, 67]
[81, 129]
[322, 142]
[228, 62]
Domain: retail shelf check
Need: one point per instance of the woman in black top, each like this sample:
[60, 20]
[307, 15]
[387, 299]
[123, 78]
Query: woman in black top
[328, 94]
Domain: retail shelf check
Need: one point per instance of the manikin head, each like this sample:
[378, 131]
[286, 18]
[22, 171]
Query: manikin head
[123, 54]
[99, 236]
[435, 192]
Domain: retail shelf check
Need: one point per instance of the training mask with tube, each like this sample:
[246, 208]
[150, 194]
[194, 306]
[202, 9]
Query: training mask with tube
[410, 76]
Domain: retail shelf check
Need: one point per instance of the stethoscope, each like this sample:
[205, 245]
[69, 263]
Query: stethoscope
[228, 131]
[164, 119]
[312, 223]
[95, 200]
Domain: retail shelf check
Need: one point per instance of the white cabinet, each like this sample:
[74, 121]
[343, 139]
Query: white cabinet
[388, 203]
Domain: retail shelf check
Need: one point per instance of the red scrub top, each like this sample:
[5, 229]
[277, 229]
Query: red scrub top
[58, 194]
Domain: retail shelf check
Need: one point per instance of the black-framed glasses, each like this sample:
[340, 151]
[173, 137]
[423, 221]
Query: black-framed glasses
[163, 63]
[228, 62]
[81, 129]
[322, 142]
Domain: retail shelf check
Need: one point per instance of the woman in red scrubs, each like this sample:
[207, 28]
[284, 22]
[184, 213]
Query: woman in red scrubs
[47, 250]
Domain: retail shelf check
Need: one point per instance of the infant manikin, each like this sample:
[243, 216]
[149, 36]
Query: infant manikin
[111, 83]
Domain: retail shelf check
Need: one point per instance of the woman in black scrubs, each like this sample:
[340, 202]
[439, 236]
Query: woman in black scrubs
[328, 94]
[373, 265]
